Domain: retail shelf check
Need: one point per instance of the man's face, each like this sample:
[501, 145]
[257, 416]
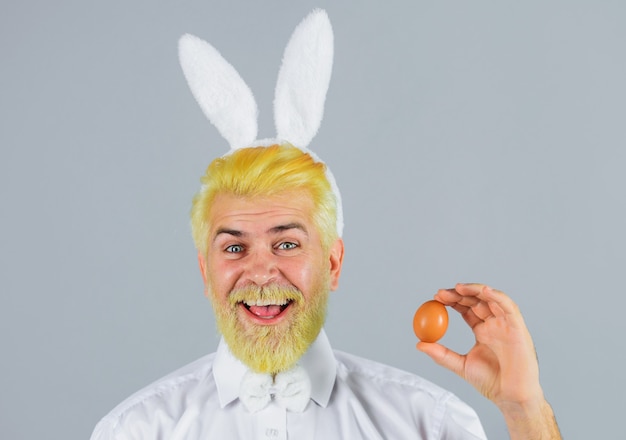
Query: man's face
[268, 276]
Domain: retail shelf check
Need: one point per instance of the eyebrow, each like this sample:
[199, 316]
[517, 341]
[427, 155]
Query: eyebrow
[233, 232]
[273, 230]
[288, 226]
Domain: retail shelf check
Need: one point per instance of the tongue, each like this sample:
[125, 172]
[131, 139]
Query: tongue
[265, 311]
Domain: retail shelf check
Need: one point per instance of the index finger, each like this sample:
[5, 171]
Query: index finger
[473, 310]
[499, 303]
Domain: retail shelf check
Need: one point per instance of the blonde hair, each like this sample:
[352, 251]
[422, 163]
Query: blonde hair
[265, 171]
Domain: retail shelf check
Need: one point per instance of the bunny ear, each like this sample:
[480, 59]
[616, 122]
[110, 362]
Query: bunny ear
[221, 93]
[303, 80]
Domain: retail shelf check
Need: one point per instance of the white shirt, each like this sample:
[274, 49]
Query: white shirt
[352, 398]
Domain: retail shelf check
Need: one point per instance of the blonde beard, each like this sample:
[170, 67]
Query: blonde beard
[273, 348]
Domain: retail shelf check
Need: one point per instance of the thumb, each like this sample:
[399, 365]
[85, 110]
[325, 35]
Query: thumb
[443, 356]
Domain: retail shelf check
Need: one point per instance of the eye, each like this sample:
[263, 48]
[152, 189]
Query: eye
[286, 245]
[234, 248]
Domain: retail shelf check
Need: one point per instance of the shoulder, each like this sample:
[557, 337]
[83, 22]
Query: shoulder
[403, 402]
[164, 392]
[378, 375]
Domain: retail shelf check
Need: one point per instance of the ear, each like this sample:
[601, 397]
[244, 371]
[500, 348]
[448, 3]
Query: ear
[222, 94]
[303, 80]
[336, 261]
[202, 264]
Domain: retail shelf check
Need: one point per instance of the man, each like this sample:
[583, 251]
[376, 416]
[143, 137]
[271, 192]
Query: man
[264, 226]
[267, 224]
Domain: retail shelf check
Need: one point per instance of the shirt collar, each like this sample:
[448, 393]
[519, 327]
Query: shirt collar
[319, 362]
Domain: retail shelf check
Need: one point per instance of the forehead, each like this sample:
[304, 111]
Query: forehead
[268, 211]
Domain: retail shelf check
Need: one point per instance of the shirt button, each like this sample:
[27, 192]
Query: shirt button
[271, 433]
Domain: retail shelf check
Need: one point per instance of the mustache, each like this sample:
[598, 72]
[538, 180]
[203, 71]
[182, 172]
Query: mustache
[270, 294]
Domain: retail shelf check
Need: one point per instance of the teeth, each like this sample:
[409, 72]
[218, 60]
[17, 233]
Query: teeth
[265, 302]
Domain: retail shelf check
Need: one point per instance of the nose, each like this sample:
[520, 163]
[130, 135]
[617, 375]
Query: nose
[261, 268]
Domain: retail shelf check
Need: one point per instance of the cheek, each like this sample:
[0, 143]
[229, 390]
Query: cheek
[302, 274]
[222, 275]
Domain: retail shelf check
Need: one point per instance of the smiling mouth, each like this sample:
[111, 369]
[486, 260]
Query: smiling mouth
[266, 310]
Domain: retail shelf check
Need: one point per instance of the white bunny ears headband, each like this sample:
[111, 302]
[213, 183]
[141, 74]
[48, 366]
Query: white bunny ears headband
[301, 88]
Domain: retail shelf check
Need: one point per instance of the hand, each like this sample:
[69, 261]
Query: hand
[502, 364]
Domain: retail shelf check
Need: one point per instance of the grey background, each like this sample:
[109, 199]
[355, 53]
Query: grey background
[472, 141]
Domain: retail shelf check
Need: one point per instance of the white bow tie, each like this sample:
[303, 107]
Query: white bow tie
[290, 389]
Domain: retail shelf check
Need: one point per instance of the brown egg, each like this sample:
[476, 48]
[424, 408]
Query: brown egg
[430, 321]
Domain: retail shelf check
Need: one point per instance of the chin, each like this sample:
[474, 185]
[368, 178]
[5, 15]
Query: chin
[271, 344]
[272, 348]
